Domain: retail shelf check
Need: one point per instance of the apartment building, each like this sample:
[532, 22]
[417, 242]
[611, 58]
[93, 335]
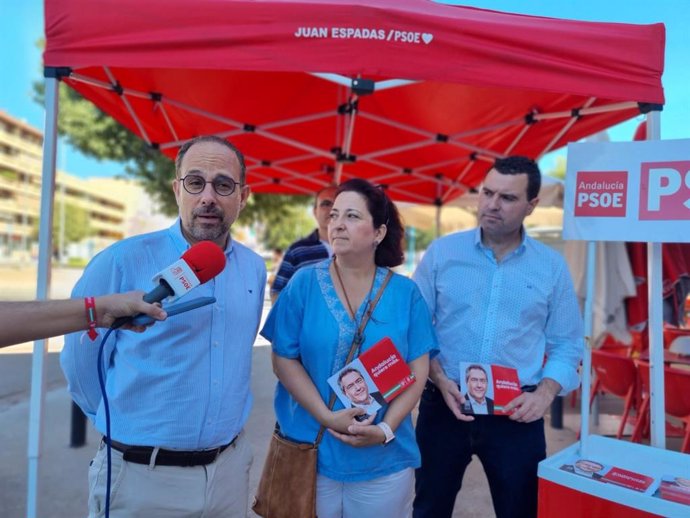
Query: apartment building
[21, 149]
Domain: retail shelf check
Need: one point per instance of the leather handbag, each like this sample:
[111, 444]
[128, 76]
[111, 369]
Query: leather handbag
[287, 488]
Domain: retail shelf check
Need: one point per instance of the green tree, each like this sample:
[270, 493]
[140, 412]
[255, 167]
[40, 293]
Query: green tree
[77, 223]
[283, 222]
[423, 238]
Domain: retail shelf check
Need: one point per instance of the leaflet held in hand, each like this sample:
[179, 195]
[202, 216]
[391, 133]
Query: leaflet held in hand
[487, 388]
[373, 379]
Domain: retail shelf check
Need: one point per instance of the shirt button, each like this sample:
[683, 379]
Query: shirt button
[208, 422]
[215, 382]
[215, 344]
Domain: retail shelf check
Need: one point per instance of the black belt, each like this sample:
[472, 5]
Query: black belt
[142, 455]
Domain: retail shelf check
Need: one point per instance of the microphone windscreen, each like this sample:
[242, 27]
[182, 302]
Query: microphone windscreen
[206, 259]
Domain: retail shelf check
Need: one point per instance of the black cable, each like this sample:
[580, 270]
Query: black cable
[106, 408]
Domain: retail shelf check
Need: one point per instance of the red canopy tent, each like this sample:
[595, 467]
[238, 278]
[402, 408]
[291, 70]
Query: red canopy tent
[416, 95]
[412, 94]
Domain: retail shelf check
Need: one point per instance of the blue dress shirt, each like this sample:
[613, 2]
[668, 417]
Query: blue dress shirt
[512, 312]
[184, 383]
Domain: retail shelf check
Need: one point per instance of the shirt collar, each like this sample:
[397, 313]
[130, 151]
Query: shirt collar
[518, 251]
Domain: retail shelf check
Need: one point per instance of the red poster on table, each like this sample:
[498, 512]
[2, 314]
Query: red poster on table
[629, 479]
[676, 489]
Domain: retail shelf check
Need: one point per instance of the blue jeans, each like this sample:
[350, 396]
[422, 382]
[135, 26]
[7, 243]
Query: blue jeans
[509, 452]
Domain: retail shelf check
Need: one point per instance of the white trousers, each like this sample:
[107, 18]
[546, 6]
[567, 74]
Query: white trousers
[385, 497]
[217, 490]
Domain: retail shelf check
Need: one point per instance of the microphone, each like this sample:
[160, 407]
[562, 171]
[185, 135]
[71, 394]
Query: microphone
[174, 309]
[199, 264]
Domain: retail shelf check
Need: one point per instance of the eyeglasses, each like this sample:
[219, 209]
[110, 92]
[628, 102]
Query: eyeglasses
[195, 184]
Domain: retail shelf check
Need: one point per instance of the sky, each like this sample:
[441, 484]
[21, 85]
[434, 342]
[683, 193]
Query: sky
[21, 26]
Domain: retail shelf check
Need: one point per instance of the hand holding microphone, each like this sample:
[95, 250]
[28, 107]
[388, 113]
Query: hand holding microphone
[199, 264]
[126, 305]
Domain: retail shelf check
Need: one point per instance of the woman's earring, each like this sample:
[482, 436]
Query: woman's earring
[376, 244]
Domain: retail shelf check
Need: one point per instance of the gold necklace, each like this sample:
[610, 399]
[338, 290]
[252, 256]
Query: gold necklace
[359, 338]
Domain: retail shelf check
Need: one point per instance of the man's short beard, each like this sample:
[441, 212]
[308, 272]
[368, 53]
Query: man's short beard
[205, 233]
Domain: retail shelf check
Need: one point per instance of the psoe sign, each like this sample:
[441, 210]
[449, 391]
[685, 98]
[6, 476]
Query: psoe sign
[665, 190]
[601, 193]
[628, 191]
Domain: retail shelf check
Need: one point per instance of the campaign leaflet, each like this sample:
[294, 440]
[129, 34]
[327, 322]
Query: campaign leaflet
[629, 479]
[487, 388]
[373, 379]
[600, 472]
[675, 489]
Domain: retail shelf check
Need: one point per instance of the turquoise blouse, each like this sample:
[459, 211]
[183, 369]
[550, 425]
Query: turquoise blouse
[309, 323]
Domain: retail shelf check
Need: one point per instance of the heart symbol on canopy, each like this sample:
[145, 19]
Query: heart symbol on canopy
[426, 37]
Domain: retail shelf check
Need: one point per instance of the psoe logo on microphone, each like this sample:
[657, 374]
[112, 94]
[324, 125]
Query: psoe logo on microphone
[665, 190]
[177, 271]
[185, 282]
[601, 194]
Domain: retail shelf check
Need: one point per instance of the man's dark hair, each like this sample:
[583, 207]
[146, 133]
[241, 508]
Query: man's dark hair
[475, 366]
[345, 373]
[521, 165]
[383, 212]
[211, 138]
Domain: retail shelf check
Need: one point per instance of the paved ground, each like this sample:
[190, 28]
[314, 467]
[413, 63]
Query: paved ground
[62, 470]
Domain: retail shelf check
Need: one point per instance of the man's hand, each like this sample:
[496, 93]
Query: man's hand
[530, 406]
[111, 307]
[449, 390]
[454, 399]
[361, 434]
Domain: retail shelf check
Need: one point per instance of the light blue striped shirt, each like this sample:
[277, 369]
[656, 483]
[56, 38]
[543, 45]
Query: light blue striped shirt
[184, 383]
[512, 312]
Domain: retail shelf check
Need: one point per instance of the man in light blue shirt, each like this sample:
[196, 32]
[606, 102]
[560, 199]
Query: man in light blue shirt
[179, 395]
[497, 297]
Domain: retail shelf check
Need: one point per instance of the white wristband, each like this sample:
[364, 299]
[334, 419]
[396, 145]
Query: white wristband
[387, 432]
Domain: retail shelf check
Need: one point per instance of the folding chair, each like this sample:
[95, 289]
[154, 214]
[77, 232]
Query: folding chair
[677, 396]
[617, 375]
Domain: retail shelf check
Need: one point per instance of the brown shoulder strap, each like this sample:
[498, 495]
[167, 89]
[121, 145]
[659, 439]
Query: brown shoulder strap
[353, 347]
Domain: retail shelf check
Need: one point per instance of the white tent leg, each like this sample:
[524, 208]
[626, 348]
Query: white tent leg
[655, 323]
[656, 346]
[587, 355]
[43, 284]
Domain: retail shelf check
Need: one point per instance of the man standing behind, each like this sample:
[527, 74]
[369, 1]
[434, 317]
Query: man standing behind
[310, 249]
[477, 382]
[179, 394]
[497, 297]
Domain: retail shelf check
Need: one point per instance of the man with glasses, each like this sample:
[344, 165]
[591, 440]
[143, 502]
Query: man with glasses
[179, 394]
[310, 249]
